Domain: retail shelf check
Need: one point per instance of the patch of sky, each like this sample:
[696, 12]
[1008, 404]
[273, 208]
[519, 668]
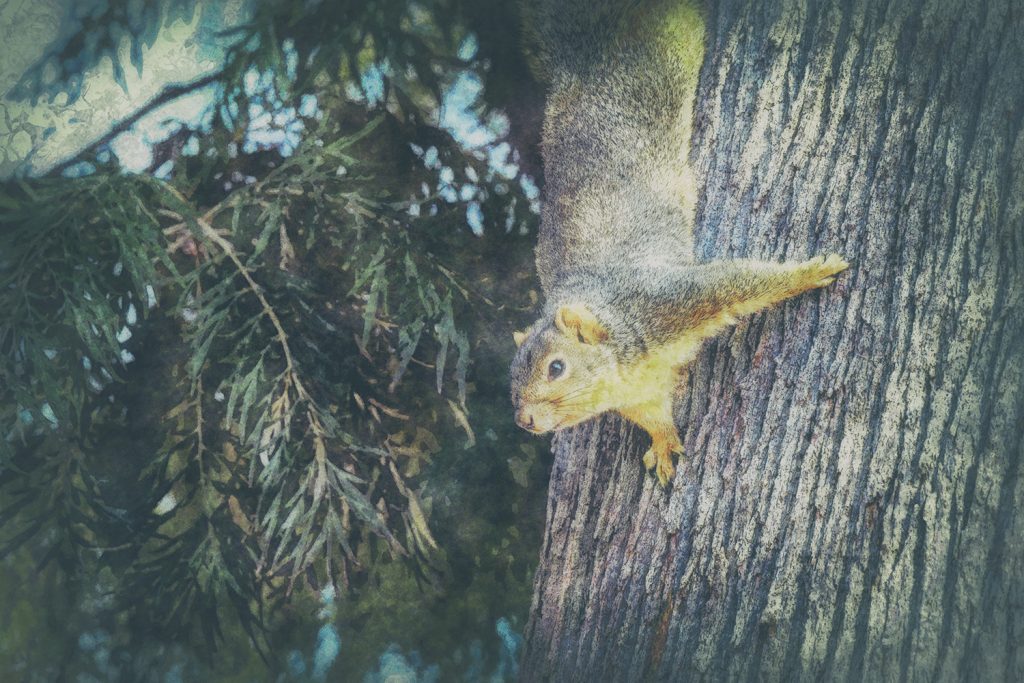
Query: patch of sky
[230, 111]
[510, 216]
[530, 188]
[328, 644]
[96, 645]
[308, 106]
[498, 159]
[291, 58]
[531, 191]
[511, 644]
[371, 84]
[458, 113]
[475, 218]
[163, 171]
[134, 147]
[90, 640]
[296, 664]
[396, 666]
[461, 115]
[447, 193]
[475, 666]
[274, 126]
[176, 674]
[431, 159]
[251, 83]
[269, 129]
[468, 47]
[271, 124]
[82, 168]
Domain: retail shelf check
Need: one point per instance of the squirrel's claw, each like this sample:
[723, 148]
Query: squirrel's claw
[665, 469]
[821, 271]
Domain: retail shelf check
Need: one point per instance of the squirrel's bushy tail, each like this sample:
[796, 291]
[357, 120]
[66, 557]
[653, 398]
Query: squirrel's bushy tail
[574, 35]
[566, 36]
[622, 78]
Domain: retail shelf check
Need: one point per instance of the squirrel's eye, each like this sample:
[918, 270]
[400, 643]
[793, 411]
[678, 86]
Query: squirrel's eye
[555, 369]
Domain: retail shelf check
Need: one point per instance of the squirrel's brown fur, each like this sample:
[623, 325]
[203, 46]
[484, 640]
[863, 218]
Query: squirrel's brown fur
[627, 306]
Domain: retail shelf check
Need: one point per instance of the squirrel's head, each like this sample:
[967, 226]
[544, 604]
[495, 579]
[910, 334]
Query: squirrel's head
[562, 370]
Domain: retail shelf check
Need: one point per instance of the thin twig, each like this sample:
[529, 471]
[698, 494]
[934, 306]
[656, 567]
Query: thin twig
[199, 397]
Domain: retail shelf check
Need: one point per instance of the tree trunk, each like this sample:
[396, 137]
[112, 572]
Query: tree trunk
[850, 502]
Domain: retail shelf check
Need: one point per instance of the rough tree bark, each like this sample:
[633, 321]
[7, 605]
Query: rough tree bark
[851, 504]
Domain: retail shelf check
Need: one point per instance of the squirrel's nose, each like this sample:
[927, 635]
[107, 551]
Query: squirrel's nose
[524, 420]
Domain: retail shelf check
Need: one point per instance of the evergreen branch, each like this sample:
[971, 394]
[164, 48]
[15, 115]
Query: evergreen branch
[318, 480]
[215, 236]
[282, 337]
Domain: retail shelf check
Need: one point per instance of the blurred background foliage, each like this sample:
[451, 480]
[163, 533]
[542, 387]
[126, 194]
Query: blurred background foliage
[254, 399]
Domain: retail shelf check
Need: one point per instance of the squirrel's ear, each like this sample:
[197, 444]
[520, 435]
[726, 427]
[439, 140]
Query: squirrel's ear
[520, 337]
[578, 321]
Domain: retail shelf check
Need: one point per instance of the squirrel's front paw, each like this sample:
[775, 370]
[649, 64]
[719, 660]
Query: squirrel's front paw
[821, 271]
[660, 460]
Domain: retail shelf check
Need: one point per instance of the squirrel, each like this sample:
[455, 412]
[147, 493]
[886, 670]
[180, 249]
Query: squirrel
[627, 305]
